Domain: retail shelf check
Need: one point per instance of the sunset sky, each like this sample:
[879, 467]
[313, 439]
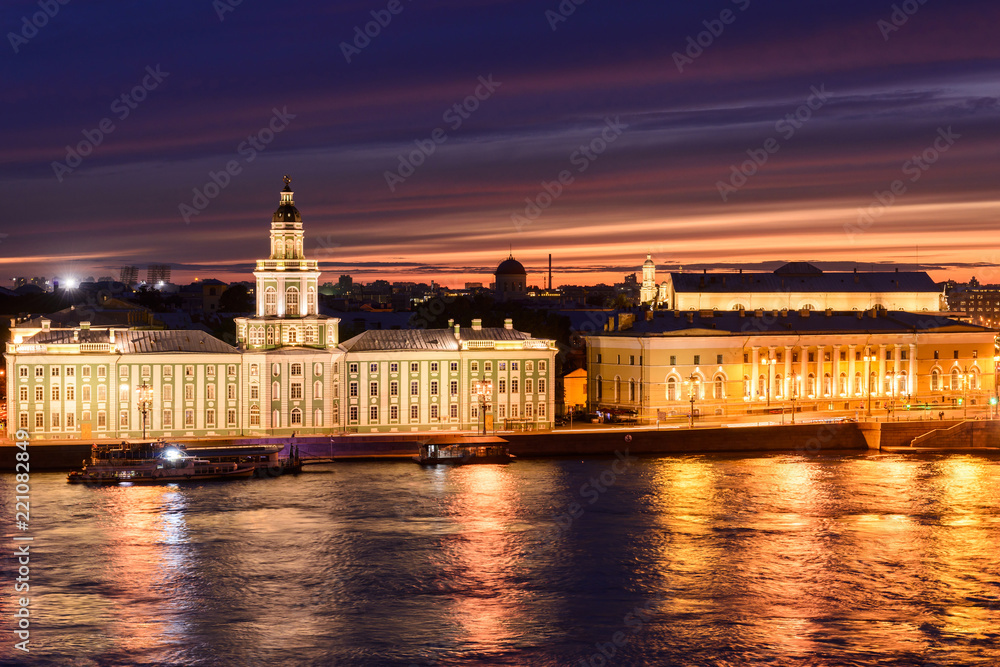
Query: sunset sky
[677, 117]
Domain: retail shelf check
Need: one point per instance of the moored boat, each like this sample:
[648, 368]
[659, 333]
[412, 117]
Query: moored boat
[463, 450]
[151, 463]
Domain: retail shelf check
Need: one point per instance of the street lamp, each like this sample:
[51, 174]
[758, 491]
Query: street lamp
[869, 358]
[794, 392]
[767, 363]
[145, 394]
[484, 389]
[693, 381]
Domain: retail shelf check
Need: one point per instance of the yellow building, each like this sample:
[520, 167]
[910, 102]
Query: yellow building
[738, 363]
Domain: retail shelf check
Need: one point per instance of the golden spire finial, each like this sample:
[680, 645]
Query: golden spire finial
[288, 180]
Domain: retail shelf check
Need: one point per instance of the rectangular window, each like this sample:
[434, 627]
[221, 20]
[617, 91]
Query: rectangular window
[474, 367]
[231, 417]
[414, 388]
[254, 369]
[123, 394]
[718, 358]
[353, 413]
[513, 366]
[373, 414]
[541, 385]
[503, 386]
[189, 371]
[541, 366]
[955, 355]
[254, 392]
[394, 413]
[189, 418]
[210, 392]
[434, 367]
[295, 391]
[373, 389]
[123, 419]
[936, 354]
[102, 419]
[513, 386]
[23, 371]
[145, 370]
[85, 416]
[102, 393]
[102, 372]
[394, 367]
[373, 368]
[812, 357]
[55, 420]
[453, 411]
[210, 418]
[353, 368]
[210, 371]
[454, 366]
[414, 367]
[541, 411]
[168, 419]
[231, 369]
[529, 385]
[39, 421]
[527, 410]
[488, 366]
[453, 388]
[70, 371]
[503, 365]
[631, 360]
[394, 388]
[189, 392]
[474, 411]
[23, 393]
[231, 392]
[434, 387]
[697, 359]
[598, 358]
[354, 390]
[55, 371]
[85, 393]
[168, 371]
[39, 393]
[414, 413]
[502, 412]
[85, 371]
[434, 412]
[673, 359]
[70, 393]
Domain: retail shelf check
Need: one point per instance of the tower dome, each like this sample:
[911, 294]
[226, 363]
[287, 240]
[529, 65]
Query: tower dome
[511, 280]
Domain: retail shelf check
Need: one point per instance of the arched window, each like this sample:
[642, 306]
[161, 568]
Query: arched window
[270, 301]
[275, 392]
[317, 389]
[293, 336]
[746, 387]
[955, 380]
[618, 389]
[275, 419]
[935, 380]
[599, 388]
[761, 386]
[887, 385]
[719, 390]
[858, 384]
[318, 417]
[811, 385]
[254, 415]
[631, 391]
[974, 378]
[292, 301]
[779, 386]
[843, 384]
[311, 301]
[279, 249]
[672, 389]
[296, 417]
[827, 384]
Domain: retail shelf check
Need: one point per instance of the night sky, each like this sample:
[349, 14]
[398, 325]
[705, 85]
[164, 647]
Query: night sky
[643, 126]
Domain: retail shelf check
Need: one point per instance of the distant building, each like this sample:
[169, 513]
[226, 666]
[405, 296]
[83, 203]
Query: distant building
[157, 273]
[511, 280]
[129, 275]
[801, 285]
[648, 292]
[980, 304]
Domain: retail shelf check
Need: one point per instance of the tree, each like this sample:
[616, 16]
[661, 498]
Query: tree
[236, 299]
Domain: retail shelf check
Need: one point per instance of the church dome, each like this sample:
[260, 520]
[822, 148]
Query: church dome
[649, 262]
[511, 267]
[286, 209]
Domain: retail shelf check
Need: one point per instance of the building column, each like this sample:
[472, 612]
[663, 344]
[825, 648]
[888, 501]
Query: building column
[819, 371]
[880, 386]
[787, 392]
[851, 370]
[754, 372]
[896, 367]
[911, 382]
[769, 387]
[803, 368]
[835, 382]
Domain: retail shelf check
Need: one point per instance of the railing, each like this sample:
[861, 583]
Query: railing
[481, 344]
[26, 348]
[95, 347]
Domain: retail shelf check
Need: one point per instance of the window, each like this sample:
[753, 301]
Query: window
[231, 392]
[529, 386]
[503, 365]
[317, 417]
[373, 368]
[295, 391]
[527, 410]
[673, 359]
[102, 393]
[84, 416]
[598, 358]
[394, 413]
[275, 369]
[123, 419]
[275, 391]
[353, 413]
[70, 371]
[394, 367]
[434, 412]
[23, 393]
[503, 386]
[254, 370]
[373, 389]
[292, 305]
[812, 357]
[39, 420]
[488, 366]
[394, 388]
[453, 388]
[513, 365]
[39, 393]
[434, 367]
[502, 412]
[70, 393]
[210, 418]
[317, 390]
[453, 411]
[718, 358]
[318, 368]
[189, 392]
[189, 371]
[474, 367]
[210, 392]
[353, 391]
[474, 411]
[434, 387]
[373, 414]
[414, 413]
[55, 371]
[102, 419]
[529, 366]
[975, 355]
[631, 391]
[296, 370]
[353, 368]
[168, 371]
[513, 386]
[541, 366]
[631, 360]
[123, 394]
[935, 380]
[168, 419]
[231, 369]
[22, 371]
[55, 420]
[954, 355]
[231, 417]
[189, 418]
[296, 417]
[599, 387]
[453, 366]
[414, 388]
[937, 354]
[270, 335]
[697, 359]
[270, 301]
[254, 415]
[541, 385]
[255, 392]
[414, 367]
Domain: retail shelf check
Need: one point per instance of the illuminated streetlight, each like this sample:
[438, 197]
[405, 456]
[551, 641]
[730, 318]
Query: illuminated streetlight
[145, 394]
[693, 381]
[484, 390]
[869, 358]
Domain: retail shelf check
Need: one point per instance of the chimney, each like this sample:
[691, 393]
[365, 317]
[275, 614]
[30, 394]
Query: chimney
[451, 323]
[508, 323]
[46, 324]
[743, 312]
[458, 332]
[76, 335]
[111, 336]
[829, 312]
[804, 312]
[477, 325]
[85, 325]
[690, 317]
[784, 312]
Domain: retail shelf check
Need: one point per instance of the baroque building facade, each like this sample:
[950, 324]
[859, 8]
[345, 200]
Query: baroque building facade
[288, 374]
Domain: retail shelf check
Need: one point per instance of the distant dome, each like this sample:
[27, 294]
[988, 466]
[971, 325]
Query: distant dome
[511, 267]
[649, 262]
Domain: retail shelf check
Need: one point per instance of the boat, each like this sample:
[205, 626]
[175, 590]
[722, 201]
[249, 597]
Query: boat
[151, 463]
[463, 450]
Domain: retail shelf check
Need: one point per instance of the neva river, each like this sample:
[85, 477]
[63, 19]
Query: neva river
[698, 560]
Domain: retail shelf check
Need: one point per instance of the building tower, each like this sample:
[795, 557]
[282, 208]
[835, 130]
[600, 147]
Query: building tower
[511, 280]
[287, 290]
[648, 291]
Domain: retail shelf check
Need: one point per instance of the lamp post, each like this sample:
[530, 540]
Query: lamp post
[484, 389]
[767, 363]
[693, 381]
[794, 392]
[145, 394]
[869, 358]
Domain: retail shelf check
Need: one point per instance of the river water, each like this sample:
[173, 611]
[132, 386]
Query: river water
[698, 560]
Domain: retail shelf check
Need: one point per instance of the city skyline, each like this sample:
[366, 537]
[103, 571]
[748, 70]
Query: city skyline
[740, 134]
